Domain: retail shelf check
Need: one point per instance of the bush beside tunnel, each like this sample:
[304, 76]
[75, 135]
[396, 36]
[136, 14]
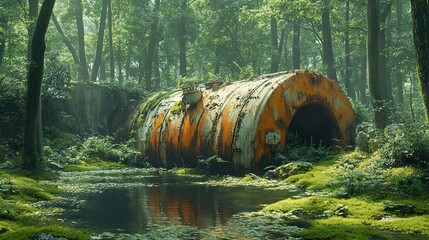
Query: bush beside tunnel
[245, 122]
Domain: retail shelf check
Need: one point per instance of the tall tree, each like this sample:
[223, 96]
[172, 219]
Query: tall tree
[327, 51]
[363, 80]
[373, 54]
[65, 39]
[111, 56]
[384, 53]
[83, 67]
[182, 37]
[296, 48]
[420, 13]
[99, 51]
[32, 151]
[153, 43]
[3, 26]
[33, 8]
[399, 76]
[348, 70]
[276, 46]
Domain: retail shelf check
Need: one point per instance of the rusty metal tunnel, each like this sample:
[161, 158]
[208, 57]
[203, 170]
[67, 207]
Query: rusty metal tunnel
[245, 122]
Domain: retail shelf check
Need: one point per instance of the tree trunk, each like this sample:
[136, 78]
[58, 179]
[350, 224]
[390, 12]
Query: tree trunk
[111, 56]
[182, 38]
[156, 72]
[32, 151]
[328, 52]
[153, 43]
[363, 80]
[286, 61]
[99, 50]
[420, 13]
[296, 49]
[103, 71]
[120, 74]
[65, 40]
[33, 8]
[3, 26]
[83, 67]
[384, 57]
[348, 72]
[399, 76]
[217, 61]
[275, 57]
[375, 88]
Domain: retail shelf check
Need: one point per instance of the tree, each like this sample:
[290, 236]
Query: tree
[153, 43]
[99, 51]
[348, 71]
[327, 51]
[373, 54]
[32, 151]
[420, 13]
[296, 49]
[83, 66]
[399, 76]
[181, 36]
[111, 55]
[33, 7]
[65, 40]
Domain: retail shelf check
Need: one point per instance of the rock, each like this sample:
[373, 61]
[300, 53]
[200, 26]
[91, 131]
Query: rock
[214, 165]
[293, 168]
[272, 174]
[362, 141]
[8, 165]
[55, 166]
[398, 208]
[254, 176]
[46, 236]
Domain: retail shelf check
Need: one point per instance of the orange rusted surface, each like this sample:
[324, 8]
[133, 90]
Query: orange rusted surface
[247, 122]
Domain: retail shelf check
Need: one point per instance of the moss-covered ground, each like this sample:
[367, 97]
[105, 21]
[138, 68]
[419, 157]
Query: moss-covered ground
[351, 196]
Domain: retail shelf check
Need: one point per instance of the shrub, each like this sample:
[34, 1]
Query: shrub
[299, 150]
[407, 145]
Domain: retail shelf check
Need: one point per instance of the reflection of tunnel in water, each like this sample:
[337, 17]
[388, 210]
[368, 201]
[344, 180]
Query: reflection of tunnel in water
[314, 123]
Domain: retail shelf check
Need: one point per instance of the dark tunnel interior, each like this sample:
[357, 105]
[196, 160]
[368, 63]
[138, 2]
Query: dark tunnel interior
[315, 124]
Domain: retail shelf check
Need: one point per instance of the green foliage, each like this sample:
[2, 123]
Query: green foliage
[362, 113]
[407, 145]
[95, 149]
[298, 149]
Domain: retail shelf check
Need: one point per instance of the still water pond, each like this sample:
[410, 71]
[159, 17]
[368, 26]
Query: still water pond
[136, 201]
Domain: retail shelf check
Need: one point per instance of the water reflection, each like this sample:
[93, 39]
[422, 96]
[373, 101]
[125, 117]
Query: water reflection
[166, 199]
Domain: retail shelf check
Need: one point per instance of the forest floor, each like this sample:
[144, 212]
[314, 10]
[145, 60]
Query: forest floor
[347, 196]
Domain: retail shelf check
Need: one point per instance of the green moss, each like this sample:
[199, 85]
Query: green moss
[187, 171]
[150, 104]
[26, 233]
[318, 178]
[91, 166]
[409, 225]
[340, 228]
[316, 205]
[177, 107]
[246, 178]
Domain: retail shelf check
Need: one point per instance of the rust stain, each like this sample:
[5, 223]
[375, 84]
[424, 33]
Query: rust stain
[234, 120]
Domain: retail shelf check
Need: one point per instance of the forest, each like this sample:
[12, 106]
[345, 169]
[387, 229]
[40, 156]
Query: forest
[214, 119]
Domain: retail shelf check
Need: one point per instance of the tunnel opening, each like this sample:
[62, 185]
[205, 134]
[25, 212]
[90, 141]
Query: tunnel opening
[315, 125]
